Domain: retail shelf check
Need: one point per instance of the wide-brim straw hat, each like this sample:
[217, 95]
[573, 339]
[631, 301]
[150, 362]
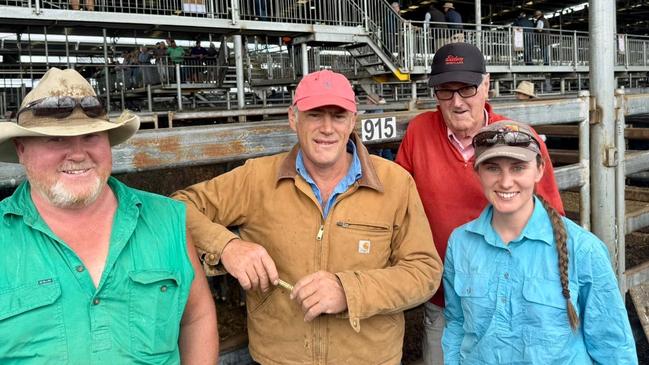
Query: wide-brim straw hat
[526, 88]
[68, 82]
[448, 5]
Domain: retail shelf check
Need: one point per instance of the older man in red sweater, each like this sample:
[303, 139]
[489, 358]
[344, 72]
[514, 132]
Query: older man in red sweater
[437, 151]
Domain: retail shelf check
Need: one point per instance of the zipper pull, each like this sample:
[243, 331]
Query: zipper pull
[342, 224]
[320, 233]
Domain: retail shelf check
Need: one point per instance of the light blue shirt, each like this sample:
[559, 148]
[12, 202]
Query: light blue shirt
[504, 303]
[354, 173]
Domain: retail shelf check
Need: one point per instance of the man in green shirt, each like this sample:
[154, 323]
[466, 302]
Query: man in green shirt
[92, 271]
[175, 53]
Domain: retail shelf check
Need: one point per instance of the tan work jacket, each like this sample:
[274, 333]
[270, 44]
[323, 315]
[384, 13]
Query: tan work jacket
[376, 239]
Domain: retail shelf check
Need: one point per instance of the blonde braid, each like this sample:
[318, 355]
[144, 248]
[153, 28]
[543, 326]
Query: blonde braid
[561, 238]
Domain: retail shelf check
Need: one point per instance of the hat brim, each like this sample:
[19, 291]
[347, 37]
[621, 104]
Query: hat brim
[517, 153]
[120, 130]
[525, 93]
[466, 77]
[313, 102]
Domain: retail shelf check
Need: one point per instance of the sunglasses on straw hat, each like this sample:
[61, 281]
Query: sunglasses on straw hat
[63, 106]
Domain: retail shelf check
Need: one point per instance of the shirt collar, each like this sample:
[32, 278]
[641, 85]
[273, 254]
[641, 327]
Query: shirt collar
[538, 227]
[369, 178]
[452, 135]
[20, 202]
[353, 173]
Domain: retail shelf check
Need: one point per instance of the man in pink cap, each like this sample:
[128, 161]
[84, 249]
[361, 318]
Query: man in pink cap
[332, 245]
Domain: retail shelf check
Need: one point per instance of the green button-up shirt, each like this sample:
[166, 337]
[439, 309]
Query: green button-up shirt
[50, 310]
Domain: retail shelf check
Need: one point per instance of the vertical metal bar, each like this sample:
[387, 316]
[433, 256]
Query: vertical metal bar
[67, 46]
[601, 20]
[510, 50]
[574, 52]
[478, 23]
[29, 51]
[627, 52]
[305, 60]
[179, 93]
[413, 96]
[47, 52]
[106, 71]
[238, 58]
[620, 177]
[149, 97]
[366, 16]
[236, 11]
[584, 157]
[38, 6]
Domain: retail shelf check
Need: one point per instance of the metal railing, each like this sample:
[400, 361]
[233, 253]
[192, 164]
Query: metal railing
[410, 45]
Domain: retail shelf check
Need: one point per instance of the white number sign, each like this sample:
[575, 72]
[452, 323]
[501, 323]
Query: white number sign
[376, 129]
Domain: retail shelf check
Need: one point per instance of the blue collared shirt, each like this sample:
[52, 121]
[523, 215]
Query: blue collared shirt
[354, 173]
[504, 303]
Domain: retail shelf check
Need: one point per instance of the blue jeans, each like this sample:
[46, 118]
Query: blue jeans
[433, 328]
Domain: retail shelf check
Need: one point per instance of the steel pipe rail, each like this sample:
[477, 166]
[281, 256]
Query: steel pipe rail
[187, 146]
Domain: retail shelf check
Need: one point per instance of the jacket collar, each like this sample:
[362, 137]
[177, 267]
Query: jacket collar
[369, 178]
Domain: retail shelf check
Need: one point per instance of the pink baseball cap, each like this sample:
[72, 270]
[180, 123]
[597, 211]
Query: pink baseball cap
[324, 88]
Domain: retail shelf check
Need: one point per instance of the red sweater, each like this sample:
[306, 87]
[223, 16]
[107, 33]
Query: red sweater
[448, 186]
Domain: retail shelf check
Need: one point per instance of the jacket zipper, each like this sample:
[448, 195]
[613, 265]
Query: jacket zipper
[362, 226]
[320, 233]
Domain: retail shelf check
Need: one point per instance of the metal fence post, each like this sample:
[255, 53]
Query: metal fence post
[602, 132]
[575, 53]
[238, 58]
[236, 11]
[179, 93]
[106, 71]
[620, 203]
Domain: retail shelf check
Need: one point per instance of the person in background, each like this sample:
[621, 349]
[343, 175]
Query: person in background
[92, 271]
[344, 230]
[177, 56]
[541, 28]
[523, 283]
[436, 149]
[452, 16]
[437, 17]
[525, 91]
[528, 42]
[396, 7]
[160, 54]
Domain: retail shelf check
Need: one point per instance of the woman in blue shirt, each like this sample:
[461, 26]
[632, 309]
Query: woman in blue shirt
[524, 285]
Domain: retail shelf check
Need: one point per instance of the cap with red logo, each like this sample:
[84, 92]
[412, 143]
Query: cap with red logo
[324, 88]
[457, 62]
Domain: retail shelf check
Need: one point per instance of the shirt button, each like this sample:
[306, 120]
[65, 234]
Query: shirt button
[503, 299]
[96, 301]
[163, 288]
[506, 275]
[355, 323]
[80, 268]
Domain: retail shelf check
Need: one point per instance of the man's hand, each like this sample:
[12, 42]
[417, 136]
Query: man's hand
[249, 263]
[318, 293]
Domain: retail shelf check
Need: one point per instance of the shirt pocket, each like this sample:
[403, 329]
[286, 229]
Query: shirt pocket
[544, 305]
[366, 245]
[31, 323]
[154, 311]
[477, 307]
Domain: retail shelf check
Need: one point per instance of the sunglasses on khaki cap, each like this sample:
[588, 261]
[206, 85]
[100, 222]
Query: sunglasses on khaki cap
[63, 104]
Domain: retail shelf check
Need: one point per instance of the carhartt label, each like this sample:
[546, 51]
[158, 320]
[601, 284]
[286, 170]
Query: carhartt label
[45, 281]
[364, 246]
